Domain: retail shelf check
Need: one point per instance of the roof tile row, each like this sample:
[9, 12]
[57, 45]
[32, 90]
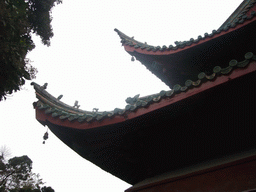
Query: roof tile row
[242, 17]
[58, 109]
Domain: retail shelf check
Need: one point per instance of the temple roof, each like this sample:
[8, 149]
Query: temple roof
[175, 64]
[117, 140]
[212, 95]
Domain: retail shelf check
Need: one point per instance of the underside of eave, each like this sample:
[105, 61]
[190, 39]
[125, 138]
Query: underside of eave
[131, 150]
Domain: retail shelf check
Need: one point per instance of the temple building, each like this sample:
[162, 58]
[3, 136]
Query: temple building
[198, 136]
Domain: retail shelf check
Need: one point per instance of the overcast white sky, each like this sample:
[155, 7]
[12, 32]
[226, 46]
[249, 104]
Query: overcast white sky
[86, 62]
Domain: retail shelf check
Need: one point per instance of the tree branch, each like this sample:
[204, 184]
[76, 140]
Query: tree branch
[8, 175]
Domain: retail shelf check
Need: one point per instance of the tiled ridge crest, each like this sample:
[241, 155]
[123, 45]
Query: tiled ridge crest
[58, 109]
[242, 17]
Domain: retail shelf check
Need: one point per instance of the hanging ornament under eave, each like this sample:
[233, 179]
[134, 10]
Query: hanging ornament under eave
[133, 58]
[46, 136]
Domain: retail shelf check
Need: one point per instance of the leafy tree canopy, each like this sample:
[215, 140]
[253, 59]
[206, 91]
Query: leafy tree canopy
[18, 20]
[16, 176]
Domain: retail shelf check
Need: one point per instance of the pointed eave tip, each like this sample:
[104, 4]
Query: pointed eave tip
[119, 33]
[34, 84]
[116, 30]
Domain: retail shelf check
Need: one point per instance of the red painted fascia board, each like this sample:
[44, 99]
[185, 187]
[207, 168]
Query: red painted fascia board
[42, 117]
[169, 52]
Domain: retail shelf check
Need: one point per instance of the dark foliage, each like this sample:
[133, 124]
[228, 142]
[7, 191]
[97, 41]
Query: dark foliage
[18, 20]
[16, 176]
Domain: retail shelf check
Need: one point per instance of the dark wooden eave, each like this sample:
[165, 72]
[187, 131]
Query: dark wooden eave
[203, 120]
[176, 64]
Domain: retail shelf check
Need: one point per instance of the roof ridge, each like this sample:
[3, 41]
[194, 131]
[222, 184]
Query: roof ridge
[56, 108]
[240, 11]
[130, 41]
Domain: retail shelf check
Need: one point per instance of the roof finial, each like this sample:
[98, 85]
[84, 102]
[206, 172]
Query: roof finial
[133, 58]
[58, 98]
[177, 43]
[133, 100]
[76, 105]
[44, 86]
[95, 110]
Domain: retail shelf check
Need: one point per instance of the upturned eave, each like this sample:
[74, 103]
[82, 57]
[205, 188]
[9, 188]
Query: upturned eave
[49, 108]
[243, 17]
[128, 147]
[175, 64]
